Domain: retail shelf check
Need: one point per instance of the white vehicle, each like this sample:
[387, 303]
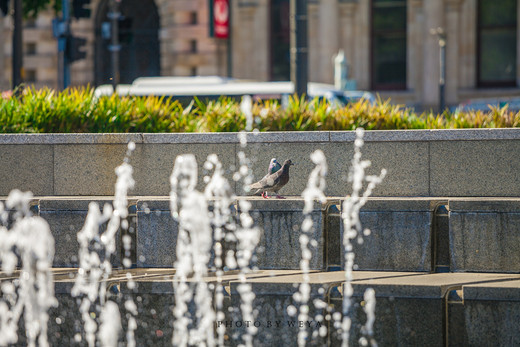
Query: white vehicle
[214, 87]
[356, 95]
[178, 80]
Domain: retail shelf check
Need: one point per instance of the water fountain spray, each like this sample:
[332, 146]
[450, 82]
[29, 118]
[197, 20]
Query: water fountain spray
[189, 207]
[30, 242]
[370, 310]
[352, 225]
[313, 192]
[219, 193]
[95, 266]
[247, 234]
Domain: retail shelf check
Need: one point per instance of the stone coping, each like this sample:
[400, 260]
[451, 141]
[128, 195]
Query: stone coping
[485, 205]
[434, 285]
[500, 290]
[288, 284]
[386, 283]
[265, 137]
[475, 286]
[480, 204]
[330, 199]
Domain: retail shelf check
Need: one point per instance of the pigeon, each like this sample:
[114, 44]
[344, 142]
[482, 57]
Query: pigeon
[273, 182]
[274, 166]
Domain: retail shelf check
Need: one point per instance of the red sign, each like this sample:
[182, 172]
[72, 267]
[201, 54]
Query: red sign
[221, 18]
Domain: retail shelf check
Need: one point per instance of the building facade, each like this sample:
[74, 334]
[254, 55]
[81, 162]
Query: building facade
[161, 37]
[391, 46]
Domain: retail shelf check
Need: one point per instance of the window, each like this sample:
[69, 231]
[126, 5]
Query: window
[193, 46]
[388, 63]
[280, 41]
[496, 59]
[30, 75]
[30, 23]
[194, 18]
[30, 48]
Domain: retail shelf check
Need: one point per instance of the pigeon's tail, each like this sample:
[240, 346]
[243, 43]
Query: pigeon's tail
[256, 185]
[253, 189]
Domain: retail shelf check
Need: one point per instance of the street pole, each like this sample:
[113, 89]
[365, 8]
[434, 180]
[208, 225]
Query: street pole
[62, 43]
[299, 50]
[17, 45]
[442, 79]
[441, 37]
[229, 47]
[60, 30]
[114, 47]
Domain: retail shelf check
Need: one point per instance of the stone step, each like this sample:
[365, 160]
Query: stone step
[399, 237]
[486, 313]
[406, 234]
[485, 235]
[155, 232]
[412, 308]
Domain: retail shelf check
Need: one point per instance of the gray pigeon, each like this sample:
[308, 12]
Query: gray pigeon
[273, 182]
[274, 166]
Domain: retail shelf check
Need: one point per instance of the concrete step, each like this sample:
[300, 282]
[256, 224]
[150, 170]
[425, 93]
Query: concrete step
[412, 308]
[407, 234]
[484, 235]
[400, 239]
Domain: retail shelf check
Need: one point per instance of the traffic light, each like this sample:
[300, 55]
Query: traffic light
[79, 10]
[4, 6]
[73, 49]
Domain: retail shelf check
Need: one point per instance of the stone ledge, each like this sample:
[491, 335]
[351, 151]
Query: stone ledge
[265, 137]
[191, 138]
[475, 286]
[289, 136]
[283, 284]
[63, 139]
[401, 204]
[482, 205]
[475, 134]
[57, 204]
[505, 290]
[427, 285]
[428, 135]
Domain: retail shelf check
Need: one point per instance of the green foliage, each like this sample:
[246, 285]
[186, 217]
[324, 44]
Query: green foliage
[76, 110]
[31, 8]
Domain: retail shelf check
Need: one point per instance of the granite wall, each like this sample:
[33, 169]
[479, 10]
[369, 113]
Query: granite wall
[421, 163]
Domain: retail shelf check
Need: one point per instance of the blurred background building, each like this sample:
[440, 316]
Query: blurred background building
[391, 46]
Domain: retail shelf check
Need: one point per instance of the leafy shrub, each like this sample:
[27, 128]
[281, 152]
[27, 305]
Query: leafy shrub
[76, 110]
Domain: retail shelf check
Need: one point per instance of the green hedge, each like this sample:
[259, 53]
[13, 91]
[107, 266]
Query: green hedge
[76, 110]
